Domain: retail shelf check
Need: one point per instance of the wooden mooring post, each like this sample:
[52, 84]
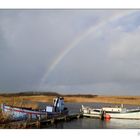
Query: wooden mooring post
[38, 124]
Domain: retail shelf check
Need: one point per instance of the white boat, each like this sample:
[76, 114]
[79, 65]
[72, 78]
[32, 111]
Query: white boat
[90, 112]
[111, 112]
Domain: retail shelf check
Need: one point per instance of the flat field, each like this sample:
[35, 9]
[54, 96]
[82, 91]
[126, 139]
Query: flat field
[135, 100]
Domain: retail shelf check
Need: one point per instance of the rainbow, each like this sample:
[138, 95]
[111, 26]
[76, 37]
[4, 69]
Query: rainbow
[78, 39]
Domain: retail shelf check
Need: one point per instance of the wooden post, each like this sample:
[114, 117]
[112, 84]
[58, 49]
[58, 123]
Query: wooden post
[46, 116]
[65, 118]
[78, 116]
[52, 120]
[39, 117]
[25, 125]
[38, 124]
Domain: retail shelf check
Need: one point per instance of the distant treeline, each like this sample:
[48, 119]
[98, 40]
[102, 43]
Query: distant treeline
[81, 95]
[31, 93]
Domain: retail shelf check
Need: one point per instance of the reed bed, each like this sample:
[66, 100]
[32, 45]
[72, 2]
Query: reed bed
[19, 100]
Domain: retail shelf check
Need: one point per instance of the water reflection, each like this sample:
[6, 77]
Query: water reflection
[90, 123]
[123, 124]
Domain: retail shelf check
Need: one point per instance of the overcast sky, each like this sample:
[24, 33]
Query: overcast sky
[70, 51]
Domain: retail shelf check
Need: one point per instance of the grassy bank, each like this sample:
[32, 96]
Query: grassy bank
[135, 100]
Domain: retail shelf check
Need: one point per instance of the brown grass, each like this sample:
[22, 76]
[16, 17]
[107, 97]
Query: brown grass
[135, 100]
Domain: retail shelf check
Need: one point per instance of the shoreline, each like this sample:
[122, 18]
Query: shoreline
[132, 100]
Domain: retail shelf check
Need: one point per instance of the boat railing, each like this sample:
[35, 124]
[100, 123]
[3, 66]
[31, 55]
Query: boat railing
[133, 110]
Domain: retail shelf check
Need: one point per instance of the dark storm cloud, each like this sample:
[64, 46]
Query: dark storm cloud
[105, 62]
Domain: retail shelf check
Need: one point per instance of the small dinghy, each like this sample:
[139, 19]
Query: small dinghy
[20, 113]
[111, 112]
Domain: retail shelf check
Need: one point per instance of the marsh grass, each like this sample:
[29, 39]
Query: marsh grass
[5, 118]
[21, 101]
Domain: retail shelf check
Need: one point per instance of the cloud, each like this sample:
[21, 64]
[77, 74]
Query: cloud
[106, 61]
[109, 62]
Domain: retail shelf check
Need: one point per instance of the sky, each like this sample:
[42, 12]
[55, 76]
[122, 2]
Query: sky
[70, 51]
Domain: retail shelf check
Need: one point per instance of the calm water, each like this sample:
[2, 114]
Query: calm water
[92, 123]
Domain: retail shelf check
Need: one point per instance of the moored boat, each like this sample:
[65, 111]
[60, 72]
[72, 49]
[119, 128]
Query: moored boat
[90, 112]
[18, 113]
[111, 112]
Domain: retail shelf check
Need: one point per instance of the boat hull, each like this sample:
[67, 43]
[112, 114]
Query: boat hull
[97, 113]
[19, 113]
[127, 115]
[91, 113]
[16, 113]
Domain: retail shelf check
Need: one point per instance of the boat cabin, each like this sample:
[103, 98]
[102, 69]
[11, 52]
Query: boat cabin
[114, 109]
